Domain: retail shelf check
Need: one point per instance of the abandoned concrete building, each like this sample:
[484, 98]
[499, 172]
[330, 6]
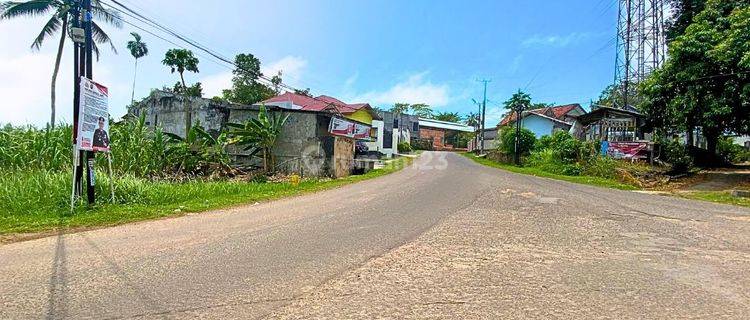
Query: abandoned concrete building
[306, 145]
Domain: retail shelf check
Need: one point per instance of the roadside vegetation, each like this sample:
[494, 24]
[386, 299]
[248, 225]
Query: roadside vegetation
[563, 157]
[155, 175]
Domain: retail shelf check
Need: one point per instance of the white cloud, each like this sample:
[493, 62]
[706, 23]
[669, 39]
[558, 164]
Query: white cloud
[494, 115]
[559, 41]
[291, 68]
[414, 90]
[215, 83]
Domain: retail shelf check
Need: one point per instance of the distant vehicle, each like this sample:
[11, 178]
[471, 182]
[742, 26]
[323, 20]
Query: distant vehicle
[360, 148]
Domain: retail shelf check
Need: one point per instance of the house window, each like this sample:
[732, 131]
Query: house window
[415, 126]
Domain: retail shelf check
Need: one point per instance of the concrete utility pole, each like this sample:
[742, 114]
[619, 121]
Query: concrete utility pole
[516, 153]
[484, 112]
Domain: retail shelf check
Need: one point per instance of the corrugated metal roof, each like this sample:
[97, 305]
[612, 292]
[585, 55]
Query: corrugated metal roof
[432, 123]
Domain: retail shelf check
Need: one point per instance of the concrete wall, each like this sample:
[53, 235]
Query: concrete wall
[304, 146]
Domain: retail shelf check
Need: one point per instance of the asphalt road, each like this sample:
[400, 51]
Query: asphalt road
[445, 238]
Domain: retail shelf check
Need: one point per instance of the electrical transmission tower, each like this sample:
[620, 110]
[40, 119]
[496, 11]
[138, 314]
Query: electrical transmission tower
[641, 44]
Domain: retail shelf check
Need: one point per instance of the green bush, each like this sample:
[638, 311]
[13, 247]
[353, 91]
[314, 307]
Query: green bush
[508, 141]
[675, 154]
[600, 166]
[422, 144]
[548, 160]
[566, 147]
[732, 152]
[404, 147]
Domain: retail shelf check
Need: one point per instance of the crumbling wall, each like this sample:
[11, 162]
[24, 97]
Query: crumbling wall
[300, 148]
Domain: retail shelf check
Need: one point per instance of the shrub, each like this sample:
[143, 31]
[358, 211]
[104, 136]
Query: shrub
[548, 160]
[422, 144]
[732, 152]
[566, 147]
[404, 147]
[675, 154]
[508, 141]
[600, 166]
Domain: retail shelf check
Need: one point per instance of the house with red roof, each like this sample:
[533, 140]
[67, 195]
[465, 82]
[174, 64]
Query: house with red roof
[359, 112]
[545, 121]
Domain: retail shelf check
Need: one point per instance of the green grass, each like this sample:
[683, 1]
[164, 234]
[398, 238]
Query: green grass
[37, 201]
[724, 197]
[594, 181]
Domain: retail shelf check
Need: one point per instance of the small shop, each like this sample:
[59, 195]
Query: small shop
[621, 132]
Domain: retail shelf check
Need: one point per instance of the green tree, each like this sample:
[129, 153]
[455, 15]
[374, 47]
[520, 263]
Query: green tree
[195, 90]
[399, 108]
[260, 135]
[421, 110]
[519, 98]
[138, 49]
[683, 13]
[61, 16]
[612, 96]
[246, 89]
[181, 60]
[447, 116]
[706, 80]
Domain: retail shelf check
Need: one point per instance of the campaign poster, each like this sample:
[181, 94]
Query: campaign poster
[341, 127]
[362, 131]
[627, 150]
[93, 117]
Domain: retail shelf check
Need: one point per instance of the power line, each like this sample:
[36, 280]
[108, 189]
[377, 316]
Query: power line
[143, 19]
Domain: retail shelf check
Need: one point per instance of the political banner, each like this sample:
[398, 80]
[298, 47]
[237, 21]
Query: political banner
[341, 127]
[93, 117]
[628, 150]
[362, 131]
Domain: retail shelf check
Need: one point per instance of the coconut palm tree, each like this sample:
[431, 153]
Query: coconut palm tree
[61, 16]
[138, 49]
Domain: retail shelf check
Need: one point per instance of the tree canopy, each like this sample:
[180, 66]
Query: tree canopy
[246, 87]
[705, 82]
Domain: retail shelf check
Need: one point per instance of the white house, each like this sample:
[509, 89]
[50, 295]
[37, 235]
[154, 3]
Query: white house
[545, 121]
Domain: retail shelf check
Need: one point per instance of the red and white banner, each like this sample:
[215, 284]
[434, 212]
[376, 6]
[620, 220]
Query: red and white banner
[349, 129]
[628, 150]
[93, 117]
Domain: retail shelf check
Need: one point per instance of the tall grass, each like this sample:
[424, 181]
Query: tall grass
[136, 150]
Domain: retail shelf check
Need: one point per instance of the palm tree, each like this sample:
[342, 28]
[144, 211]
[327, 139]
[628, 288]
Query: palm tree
[62, 17]
[138, 49]
[182, 60]
[260, 134]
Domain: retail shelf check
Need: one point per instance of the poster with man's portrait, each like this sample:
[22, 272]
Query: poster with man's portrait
[93, 117]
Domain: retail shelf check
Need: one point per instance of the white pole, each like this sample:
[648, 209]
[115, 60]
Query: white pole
[111, 182]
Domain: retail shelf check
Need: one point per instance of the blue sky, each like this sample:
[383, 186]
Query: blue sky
[379, 52]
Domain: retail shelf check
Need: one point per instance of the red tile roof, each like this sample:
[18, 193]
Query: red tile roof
[321, 103]
[557, 112]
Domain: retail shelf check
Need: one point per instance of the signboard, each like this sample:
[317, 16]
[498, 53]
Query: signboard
[345, 128]
[619, 123]
[361, 131]
[627, 150]
[93, 117]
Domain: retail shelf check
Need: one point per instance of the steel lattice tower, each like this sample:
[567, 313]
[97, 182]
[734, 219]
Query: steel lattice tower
[641, 44]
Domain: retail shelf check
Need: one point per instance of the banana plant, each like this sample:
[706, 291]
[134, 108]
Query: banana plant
[260, 134]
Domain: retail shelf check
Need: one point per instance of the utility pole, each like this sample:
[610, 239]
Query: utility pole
[477, 126]
[484, 112]
[516, 152]
[87, 24]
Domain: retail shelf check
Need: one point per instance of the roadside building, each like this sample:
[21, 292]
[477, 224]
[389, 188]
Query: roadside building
[491, 139]
[393, 129]
[442, 135]
[612, 124]
[545, 121]
[309, 144]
